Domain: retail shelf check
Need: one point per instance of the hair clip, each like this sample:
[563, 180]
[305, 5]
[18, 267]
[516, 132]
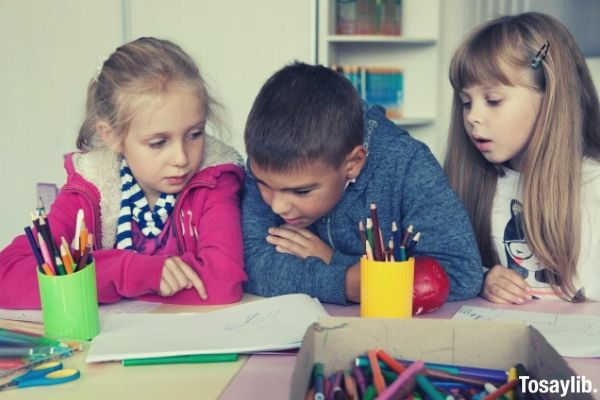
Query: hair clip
[541, 54]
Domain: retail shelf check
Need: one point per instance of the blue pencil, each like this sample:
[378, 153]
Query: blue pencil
[34, 248]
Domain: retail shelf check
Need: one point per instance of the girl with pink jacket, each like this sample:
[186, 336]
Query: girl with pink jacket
[159, 194]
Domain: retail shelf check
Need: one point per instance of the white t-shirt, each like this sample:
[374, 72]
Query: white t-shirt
[514, 251]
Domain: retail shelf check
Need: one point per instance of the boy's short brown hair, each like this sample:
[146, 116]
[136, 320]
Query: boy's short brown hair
[304, 113]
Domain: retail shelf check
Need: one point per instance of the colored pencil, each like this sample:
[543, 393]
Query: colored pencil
[378, 380]
[78, 224]
[34, 247]
[46, 253]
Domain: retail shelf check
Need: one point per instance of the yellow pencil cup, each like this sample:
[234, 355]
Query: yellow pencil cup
[386, 288]
[70, 304]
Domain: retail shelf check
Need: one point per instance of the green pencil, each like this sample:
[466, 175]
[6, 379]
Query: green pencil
[192, 358]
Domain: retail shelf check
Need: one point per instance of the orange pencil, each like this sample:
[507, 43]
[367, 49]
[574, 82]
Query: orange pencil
[390, 362]
[66, 255]
[83, 238]
[378, 380]
[47, 269]
[350, 386]
[87, 252]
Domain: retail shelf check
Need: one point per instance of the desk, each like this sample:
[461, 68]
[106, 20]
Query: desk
[255, 377]
[269, 377]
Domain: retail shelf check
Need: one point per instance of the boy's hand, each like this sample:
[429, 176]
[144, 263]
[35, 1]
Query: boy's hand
[299, 242]
[503, 285]
[353, 283]
[177, 275]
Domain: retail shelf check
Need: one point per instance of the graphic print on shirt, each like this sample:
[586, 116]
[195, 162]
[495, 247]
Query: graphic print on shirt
[518, 254]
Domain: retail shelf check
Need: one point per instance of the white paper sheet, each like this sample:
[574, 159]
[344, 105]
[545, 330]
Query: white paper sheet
[572, 335]
[123, 306]
[275, 323]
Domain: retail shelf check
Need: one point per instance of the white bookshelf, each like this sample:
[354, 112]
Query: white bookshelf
[416, 52]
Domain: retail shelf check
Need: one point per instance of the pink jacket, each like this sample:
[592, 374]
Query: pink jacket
[212, 196]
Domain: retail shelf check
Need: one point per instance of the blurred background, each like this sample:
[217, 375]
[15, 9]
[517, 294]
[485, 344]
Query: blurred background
[51, 49]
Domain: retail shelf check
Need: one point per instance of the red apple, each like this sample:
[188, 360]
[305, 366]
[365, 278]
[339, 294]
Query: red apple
[431, 285]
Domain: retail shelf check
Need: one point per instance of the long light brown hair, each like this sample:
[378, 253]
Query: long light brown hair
[566, 130]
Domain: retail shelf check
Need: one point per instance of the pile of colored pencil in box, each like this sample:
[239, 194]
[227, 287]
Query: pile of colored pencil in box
[378, 375]
[59, 258]
[399, 248]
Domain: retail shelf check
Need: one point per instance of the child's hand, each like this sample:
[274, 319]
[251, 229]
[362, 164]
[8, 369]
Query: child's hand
[353, 283]
[503, 285]
[177, 275]
[299, 242]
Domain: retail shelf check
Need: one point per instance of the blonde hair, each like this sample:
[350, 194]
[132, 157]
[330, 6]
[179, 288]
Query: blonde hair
[566, 130]
[135, 70]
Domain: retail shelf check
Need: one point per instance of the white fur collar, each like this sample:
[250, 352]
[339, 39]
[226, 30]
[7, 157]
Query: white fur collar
[101, 168]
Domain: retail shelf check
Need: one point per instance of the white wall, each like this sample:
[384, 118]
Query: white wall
[52, 48]
[237, 46]
[49, 52]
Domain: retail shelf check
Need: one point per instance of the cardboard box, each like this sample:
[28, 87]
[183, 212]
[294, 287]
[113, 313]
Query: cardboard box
[336, 341]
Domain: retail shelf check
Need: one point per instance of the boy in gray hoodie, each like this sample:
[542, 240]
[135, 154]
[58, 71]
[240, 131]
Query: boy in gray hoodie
[317, 158]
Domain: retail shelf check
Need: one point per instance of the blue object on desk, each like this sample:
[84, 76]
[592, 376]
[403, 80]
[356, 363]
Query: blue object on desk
[48, 373]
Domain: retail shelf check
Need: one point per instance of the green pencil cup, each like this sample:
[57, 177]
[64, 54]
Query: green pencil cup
[70, 304]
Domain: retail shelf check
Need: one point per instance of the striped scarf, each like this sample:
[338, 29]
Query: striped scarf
[134, 206]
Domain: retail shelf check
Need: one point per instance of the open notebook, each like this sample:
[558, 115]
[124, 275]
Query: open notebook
[275, 323]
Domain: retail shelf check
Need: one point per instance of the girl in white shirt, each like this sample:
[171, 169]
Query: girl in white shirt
[523, 154]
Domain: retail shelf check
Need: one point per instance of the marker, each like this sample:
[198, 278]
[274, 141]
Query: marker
[186, 359]
[428, 388]
[318, 380]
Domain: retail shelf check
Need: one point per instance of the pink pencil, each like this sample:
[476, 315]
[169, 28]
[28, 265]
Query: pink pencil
[46, 253]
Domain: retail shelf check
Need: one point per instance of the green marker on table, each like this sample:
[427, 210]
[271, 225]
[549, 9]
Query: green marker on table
[187, 359]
